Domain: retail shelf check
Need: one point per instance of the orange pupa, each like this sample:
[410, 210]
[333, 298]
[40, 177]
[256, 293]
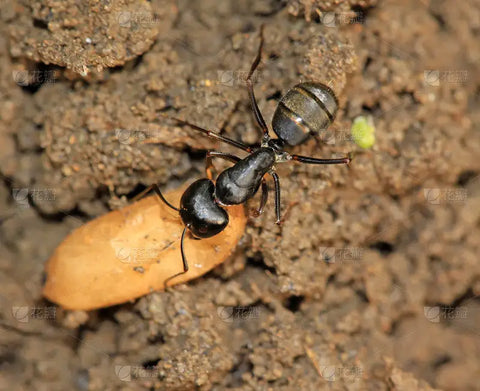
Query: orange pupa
[131, 252]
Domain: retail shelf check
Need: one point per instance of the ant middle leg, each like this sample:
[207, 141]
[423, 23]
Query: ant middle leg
[263, 200]
[209, 163]
[278, 212]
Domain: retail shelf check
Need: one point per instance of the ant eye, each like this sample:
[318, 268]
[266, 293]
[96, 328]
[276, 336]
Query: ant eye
[203, 229]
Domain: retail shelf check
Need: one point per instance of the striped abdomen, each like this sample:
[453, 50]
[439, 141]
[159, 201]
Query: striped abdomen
[306, 108]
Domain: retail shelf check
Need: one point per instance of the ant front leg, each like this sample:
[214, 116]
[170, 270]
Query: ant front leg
[209, 163]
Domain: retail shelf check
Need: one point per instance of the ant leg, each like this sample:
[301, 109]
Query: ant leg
[277, 197]
[263, 200]
[311, 160]
[184, 260]
[159, 194]
[251, 93]
[212, 154]
[215, 135]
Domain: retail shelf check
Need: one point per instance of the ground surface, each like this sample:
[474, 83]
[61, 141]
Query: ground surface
[371, 283]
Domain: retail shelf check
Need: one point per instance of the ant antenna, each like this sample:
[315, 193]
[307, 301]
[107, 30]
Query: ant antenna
[155, 188]
[251, 93]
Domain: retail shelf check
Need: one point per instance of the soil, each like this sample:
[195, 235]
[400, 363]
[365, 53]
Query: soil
[373, 280]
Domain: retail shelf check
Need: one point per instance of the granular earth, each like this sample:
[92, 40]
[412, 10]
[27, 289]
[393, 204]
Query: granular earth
[373, 280]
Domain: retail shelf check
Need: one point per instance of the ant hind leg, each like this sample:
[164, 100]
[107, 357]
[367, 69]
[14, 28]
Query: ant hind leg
[278, 212]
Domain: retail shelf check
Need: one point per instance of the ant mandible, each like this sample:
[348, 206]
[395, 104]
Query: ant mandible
[307, 108]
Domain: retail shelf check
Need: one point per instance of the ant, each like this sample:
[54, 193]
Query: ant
[306, 109]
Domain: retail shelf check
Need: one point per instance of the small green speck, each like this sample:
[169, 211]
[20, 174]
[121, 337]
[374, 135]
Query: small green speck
[363, 132]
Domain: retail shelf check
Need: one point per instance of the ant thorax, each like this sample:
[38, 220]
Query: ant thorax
[277, 145]
[282, 157]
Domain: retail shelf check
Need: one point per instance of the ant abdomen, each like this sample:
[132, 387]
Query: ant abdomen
[307, 108]
[199, 211]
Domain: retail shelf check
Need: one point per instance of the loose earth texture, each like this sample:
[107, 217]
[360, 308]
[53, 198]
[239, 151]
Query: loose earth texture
[373, 280]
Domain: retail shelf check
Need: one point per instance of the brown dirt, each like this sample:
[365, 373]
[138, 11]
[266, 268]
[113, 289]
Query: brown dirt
[372, 282]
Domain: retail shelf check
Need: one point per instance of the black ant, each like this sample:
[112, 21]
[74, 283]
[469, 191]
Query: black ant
[307, 108]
